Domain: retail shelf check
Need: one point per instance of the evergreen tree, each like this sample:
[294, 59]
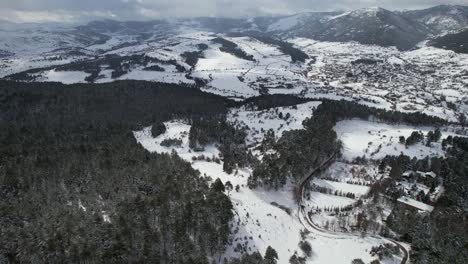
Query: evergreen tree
[271, 256]
[158, 129]
[228, 186]
[296, 259]
[306, 248]
[218, 186]
[402, 140]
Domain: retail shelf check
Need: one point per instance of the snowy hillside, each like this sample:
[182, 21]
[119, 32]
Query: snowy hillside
[266, 217]
[322, 137]
[441, 19]
[334, 200]
[277, 119]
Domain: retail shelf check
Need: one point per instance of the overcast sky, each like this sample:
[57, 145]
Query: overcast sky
[84, 10]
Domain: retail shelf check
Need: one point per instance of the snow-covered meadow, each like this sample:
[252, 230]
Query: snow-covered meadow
[278, 119]
[375, 140]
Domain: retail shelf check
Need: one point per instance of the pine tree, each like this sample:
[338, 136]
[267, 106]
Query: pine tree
[158, 129]
[402, 140]
[271, 255]
[228, 186]
[218, 186]
[382, 167]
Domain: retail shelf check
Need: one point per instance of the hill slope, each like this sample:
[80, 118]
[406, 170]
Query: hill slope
[371, 26]
[457, 42]
[442, 18]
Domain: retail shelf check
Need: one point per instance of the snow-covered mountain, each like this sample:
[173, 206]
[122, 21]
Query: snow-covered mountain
[441, 19]
[371, 26]
[368, 26]
[298, 24]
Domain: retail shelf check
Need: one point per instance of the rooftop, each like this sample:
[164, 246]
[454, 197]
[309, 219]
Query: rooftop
[416, 204]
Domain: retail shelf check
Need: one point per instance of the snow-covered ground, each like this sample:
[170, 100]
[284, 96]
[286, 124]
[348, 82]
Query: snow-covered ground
[340, 181]
[167, 77]
[234, 77]
[376, 140]
[257, 221]
[66, 77]
[327, 200]
[278, 119]
[348, 172]
[286, 23]
[343, 187]
[224, 69]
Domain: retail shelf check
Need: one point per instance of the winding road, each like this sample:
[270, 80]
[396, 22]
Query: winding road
[309, 224]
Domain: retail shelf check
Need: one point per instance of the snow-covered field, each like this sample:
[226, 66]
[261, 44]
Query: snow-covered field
[278, 119]
[348, 172]
[167, 77]
[321, 200]
[231, 76]
[344, 187]
[376, 140]
[340, 180]
[66, 77]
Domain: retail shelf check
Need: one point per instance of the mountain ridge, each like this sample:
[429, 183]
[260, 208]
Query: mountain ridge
[371, 25]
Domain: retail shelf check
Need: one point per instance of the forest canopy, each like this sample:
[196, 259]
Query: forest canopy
[76, 187]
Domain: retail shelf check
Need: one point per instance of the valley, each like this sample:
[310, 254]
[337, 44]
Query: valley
[319, 137]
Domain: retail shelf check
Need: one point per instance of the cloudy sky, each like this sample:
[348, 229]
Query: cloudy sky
[84, 10]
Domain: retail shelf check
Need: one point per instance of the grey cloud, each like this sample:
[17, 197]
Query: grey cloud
[76, 10]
